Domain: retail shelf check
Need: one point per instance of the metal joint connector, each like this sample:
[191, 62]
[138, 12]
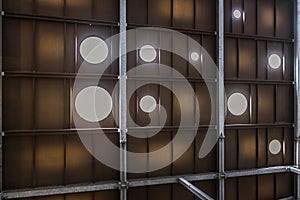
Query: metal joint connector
[222, 176]
[2, 13]
[222, 137]
[124, 185]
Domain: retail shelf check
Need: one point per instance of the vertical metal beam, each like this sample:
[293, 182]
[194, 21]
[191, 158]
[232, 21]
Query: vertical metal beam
[1, 68]
[221, 98]
[297, 93]
[123, 102]
[196, 191]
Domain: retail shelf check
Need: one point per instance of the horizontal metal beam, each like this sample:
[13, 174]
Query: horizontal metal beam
[261, 171]
[295, 170]
[196, 191]
[71, 189]
[171, 179]
[59, 190]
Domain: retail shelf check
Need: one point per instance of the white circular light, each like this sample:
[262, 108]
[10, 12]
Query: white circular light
[93, 104]
[237, 14]
[148, 53]
[237, 104]
[274, 61]
[148, 104]
[275, 147]
[195, 56]
[93, 50]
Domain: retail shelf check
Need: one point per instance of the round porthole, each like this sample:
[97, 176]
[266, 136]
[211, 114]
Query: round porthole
[195, 56]
[275, 147]
[93, 50]
[237, 14]
[274, 61]
[148, 53]
[237, 104]
[148, 104]
[93, 104]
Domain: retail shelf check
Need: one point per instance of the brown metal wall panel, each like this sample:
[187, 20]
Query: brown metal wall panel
[183, 13]
[137, 193]
[288, 146]
[284, 103]
[231, 189]
[205, 9]
[137, 145]
[102, 172]
[208, 163]
[18, 104]
[106, 10]
[250, 17]
[18, 6]
[155, 143]
[247, 149]
[181, 193]
[284, 185]
[262, 60]
[83, 196]
[186, 163]
[266, 104]
[60, 197]
[231, 150]
[160, 192]
[111, 195]
[284, 18]
[159, 12]
[275, 74]
[18, 45]
[49, 108]
[209, 187]
[78, 161]
[137, 8]
[18, 162]
[79, 9]
[50, 7]
[49, 160]
[49, 47]
[227, 17]
[262, 148]
[205, 104]
[266, 18]
[247, 59]
[231, 65]
[247, 187]
[265, 187]
[289, 62]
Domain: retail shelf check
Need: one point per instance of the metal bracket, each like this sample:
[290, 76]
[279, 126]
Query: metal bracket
[222, 176]
[123, 185]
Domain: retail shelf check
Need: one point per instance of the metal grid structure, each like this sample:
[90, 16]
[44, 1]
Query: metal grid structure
[124, 184]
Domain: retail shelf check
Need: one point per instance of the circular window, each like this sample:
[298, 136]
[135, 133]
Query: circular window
[148, 53]
[94, 50]
[237, 104]
[237, 14]
[148, 104]
[93, 104]
[274, 147]
[195, 56]
[274, 61]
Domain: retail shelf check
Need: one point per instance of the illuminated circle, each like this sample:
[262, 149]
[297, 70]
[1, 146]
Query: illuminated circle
[195, 56]
[274, 61]
[148, 104]
[237, 14]
[237, 104]
[93, 50]
[93, 104]
[274, 147]
[148, 53]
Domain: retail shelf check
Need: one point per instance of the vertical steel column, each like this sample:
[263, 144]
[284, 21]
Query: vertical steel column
[123, 102]
[221, 102]
[1, 130]
[297, 94]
